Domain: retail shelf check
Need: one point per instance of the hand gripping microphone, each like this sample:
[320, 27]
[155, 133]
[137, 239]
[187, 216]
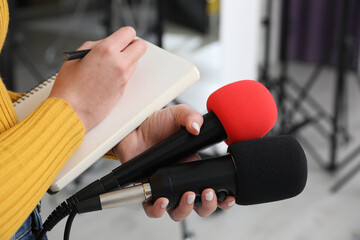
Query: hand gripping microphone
[256, 171]
[239, 111]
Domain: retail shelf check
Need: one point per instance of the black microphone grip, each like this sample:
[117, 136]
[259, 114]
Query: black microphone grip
[216, 173]
[255, 171]
[173, 149]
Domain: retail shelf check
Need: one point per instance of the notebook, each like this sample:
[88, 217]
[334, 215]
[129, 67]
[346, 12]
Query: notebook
[159, 77]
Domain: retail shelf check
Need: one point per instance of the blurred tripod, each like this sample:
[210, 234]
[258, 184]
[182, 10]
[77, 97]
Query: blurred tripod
[337, 120]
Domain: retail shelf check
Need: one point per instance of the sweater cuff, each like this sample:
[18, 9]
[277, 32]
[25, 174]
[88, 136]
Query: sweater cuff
[111, 155]
[62, 108]
[15, 96]
[53, 123]
[32, 154]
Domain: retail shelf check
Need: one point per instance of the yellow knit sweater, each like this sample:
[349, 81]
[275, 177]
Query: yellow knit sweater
[32, 151]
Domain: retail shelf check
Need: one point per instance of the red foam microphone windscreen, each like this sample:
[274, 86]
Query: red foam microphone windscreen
[246, 109]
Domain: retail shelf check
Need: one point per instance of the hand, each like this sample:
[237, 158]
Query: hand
[94, 84]
[156, 128]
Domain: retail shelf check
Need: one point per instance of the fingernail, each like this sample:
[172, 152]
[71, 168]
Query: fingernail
[209, 196]
[190, 199]
[230, 204]
[164, 203]
[196, 126]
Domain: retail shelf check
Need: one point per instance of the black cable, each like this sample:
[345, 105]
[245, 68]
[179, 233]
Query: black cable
[68, 224]
[42, 235]
[63, 210]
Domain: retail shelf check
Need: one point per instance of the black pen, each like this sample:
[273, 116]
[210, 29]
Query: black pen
[67, 56]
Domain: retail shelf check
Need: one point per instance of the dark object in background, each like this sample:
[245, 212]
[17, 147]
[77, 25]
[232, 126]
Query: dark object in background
[6, 58]
[315, 28]
[190, 13]
[29, 3]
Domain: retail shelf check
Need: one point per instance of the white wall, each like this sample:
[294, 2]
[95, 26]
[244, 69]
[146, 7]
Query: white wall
[240, 31]
[242, 36]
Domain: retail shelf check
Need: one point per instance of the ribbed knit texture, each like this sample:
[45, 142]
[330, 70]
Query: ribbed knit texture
[7, 113]
[31, 154]
[15, 96]
[4, 21]
[33, 151]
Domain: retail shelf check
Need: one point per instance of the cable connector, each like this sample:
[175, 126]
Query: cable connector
[130, 195]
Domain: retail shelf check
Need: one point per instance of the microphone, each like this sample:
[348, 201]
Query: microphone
[239, 111]
[256, 171]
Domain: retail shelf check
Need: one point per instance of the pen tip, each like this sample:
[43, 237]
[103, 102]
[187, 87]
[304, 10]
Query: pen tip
[65, 57]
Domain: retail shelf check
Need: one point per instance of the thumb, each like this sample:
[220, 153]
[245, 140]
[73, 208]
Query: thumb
[187, 117]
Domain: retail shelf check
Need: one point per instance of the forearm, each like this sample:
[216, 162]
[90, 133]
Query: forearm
[31, 154]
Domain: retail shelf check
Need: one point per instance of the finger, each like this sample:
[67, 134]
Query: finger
[88, 45]
[185, 207]
[157, 209]
[228, 203]
[134, 51]
[208, 203]
[188, 117]
[120, 39]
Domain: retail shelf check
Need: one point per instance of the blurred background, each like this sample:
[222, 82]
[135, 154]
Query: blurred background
[306, 52]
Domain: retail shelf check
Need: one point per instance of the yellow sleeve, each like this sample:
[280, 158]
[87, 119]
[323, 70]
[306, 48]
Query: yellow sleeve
[111, 155]
[15, 96]
[32, 152]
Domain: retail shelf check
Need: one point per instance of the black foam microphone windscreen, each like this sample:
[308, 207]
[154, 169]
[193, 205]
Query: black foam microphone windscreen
[275, 169]
[256, 171]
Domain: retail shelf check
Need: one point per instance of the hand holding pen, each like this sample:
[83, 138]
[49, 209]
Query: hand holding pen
[94, 85]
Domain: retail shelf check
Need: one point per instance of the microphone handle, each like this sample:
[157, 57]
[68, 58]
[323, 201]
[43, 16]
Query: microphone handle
[216, 173]
[172, 182]
[171, 150]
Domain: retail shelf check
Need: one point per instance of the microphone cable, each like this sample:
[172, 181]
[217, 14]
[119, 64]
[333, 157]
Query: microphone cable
[61, 211]
[69, 222]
